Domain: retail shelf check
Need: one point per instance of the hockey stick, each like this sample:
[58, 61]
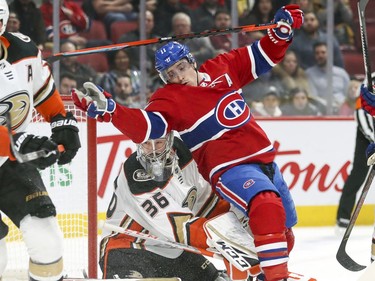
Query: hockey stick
[342, 256]
[26, 157]
[120, 46]
[149, 237]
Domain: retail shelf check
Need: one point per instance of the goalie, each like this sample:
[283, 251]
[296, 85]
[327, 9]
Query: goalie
[160, 191]
[26, 82]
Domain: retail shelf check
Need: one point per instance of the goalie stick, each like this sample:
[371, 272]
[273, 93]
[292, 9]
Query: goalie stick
[145, 236]
[120, 46]
[26, 157]
[342, 256]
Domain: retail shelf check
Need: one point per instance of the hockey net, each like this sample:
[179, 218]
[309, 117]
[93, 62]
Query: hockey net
[72, 188]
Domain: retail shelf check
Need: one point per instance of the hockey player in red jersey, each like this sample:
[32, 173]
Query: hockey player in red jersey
[207, 109]
[26, 83]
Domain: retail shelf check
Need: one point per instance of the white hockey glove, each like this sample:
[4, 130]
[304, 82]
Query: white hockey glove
[96, 102]
[235, 244]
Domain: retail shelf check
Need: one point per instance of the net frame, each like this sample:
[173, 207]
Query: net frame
[76, 230]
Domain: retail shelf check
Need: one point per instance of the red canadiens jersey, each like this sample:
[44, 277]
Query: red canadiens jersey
[213, 119]
[163, 209]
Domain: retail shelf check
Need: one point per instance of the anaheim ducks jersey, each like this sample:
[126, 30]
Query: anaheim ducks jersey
[163, 209]
[26, 82]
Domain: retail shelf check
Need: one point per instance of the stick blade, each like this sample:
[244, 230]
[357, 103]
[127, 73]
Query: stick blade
[345, 260]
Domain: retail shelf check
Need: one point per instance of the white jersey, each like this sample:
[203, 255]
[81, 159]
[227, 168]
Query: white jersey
[163, 209]
[25, 80]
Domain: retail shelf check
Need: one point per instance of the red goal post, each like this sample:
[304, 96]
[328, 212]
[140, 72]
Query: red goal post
[73, 189]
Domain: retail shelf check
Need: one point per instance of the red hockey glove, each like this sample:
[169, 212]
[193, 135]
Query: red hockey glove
[367, 100]
[96, 102]
[288, 17]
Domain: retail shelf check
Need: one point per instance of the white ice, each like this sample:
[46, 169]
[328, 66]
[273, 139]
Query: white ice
[314, 253]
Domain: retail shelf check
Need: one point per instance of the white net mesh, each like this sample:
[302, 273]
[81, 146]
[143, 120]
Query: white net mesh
[67, 186]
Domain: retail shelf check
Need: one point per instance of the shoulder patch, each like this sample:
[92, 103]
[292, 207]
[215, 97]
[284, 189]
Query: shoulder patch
[19, 46]
[139, 182]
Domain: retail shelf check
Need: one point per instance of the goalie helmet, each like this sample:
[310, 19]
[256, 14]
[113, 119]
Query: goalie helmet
[168, 55]
[4, 15]
[158, 157]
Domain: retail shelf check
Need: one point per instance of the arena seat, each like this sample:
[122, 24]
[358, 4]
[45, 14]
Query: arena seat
[119, 28]
[97, 31]
[97, 61]
[353, 62]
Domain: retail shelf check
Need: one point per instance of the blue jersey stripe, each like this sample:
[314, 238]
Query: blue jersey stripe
[157, 125]
[261, 63]
[205, 131]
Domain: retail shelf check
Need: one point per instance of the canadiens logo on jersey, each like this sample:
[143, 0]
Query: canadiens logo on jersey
[232, 111]
[19, 104]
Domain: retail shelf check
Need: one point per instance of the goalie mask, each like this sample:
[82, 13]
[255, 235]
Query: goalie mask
[4, 15]
[158, 157]
[170, 54]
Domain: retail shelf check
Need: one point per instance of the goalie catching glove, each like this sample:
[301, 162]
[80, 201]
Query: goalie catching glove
[26, 143]
[95, 101]
[65, 132]
[288, 18]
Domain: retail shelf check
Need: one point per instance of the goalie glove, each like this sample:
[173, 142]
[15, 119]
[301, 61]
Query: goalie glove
[25, 143]
[65, 132]
[96, 102]
[288, 18]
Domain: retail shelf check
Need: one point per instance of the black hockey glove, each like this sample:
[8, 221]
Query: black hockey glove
[25, 143]
[65, 132]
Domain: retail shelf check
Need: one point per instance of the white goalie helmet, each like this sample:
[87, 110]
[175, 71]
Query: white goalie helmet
[4, 15]
[158, 157]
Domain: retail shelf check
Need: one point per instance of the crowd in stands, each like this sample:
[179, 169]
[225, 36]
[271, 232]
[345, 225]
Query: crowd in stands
[295, 87]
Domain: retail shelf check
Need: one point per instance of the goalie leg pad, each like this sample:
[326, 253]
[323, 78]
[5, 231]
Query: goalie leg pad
[43, 239]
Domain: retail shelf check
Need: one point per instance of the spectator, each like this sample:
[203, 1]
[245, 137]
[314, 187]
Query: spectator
[299, 104]
[288, 75]
[204, 16]
[124, 94]
[317, 75]
[349, 106]
[305, 5]
[109, 11]
[262, 12]
[269, 105]
[305, 38]
[31, 19]
[164, 13]
[135, 36]
[200, 48]
[67, 82]
[195, 4]
[223, 43]
[81, 72]
[72, 20]
[120, 64]
[13, 23]
[343, 20]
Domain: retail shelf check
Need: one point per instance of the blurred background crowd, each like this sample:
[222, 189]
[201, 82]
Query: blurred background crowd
[319, 75]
